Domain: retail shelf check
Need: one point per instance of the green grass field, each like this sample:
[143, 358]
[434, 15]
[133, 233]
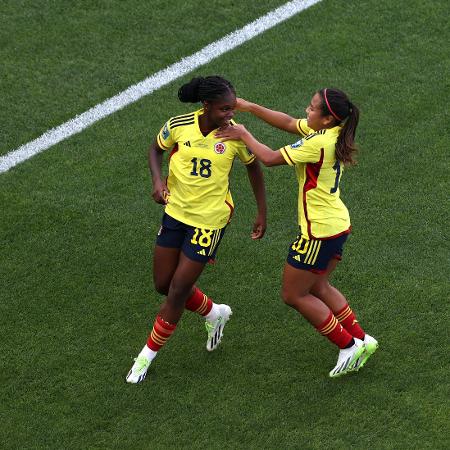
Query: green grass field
[77, 229]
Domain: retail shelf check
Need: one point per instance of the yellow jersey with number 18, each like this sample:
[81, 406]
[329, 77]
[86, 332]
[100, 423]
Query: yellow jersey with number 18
[321, 212]
[199, 169]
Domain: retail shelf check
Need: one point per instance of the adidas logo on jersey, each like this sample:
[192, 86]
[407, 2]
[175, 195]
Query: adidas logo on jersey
[187, 144]
[202, 252]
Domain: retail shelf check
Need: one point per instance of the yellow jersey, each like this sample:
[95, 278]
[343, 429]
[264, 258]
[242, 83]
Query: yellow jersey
[199, 169]
[321, 212]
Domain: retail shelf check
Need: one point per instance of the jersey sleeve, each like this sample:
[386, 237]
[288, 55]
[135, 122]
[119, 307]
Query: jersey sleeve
[303, 128]
[166, 138]
[244, 154]
[302, 151]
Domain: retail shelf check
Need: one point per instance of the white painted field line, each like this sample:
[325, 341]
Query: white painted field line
[152, 83]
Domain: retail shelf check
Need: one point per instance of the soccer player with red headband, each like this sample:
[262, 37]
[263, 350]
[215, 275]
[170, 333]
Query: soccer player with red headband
[319, 157]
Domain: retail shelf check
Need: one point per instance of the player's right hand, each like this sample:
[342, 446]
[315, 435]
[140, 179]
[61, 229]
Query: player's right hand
[161, 194]
[242, 105]
[232, 132]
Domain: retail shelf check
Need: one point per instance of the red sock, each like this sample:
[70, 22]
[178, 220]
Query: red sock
[348, 320]
[161, 332]
[198, 302]
[334, 331]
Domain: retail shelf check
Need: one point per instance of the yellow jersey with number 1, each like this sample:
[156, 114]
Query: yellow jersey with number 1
[199, 169]
[321, 212]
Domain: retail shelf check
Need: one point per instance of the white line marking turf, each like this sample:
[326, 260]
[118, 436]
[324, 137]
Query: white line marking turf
[152, 83]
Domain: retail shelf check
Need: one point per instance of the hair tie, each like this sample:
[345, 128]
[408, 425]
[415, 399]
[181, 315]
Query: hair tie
[350, 107]
[329, 107]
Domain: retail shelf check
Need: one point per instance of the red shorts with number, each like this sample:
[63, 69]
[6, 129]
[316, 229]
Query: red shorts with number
[198, 244]
[315, 254]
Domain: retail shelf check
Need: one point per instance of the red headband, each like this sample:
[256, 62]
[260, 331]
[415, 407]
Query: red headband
[329, 107]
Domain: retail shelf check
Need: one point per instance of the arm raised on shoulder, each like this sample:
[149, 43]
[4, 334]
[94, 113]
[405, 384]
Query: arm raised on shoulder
[262, 152]
[277, 119]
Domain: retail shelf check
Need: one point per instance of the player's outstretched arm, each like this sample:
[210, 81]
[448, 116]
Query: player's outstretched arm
[277, 119]
[263, 153]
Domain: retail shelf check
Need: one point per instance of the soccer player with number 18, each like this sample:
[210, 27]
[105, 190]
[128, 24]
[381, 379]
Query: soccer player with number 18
[198, 207]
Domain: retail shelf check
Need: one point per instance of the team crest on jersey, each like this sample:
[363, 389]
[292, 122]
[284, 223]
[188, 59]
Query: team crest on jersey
[165, 131]
[220, 148]
[297, 144]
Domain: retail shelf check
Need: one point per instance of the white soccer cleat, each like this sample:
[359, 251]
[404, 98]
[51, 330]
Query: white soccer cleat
[347, 359]
[370, 347]
[215, 328]
[138, 372]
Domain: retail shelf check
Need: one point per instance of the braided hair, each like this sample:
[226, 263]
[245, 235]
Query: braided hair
[337, 104]
[205, 89]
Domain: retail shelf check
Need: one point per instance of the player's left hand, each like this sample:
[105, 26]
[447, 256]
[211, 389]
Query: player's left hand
[231, 133]
[259, 228]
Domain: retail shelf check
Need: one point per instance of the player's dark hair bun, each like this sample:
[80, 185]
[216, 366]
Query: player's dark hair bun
[188, 93]
[203, 89]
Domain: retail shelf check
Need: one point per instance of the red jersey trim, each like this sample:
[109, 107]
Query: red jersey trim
[312, 174]
[174, 150]
[231, 210]
[334, 236]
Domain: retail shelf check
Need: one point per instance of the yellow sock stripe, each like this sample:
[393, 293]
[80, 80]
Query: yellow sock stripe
[316, 252]
[343, 317]
[157, 338]
[330, 327]
[206, 302]
[198, 310]
[202, 308]
[310, 252]
[160, 329]
[344, 314]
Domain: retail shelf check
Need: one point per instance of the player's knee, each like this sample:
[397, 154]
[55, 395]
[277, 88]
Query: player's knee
[179, 289]
[320, 290]
[286, 296]
[162, 288]
[292, 297]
